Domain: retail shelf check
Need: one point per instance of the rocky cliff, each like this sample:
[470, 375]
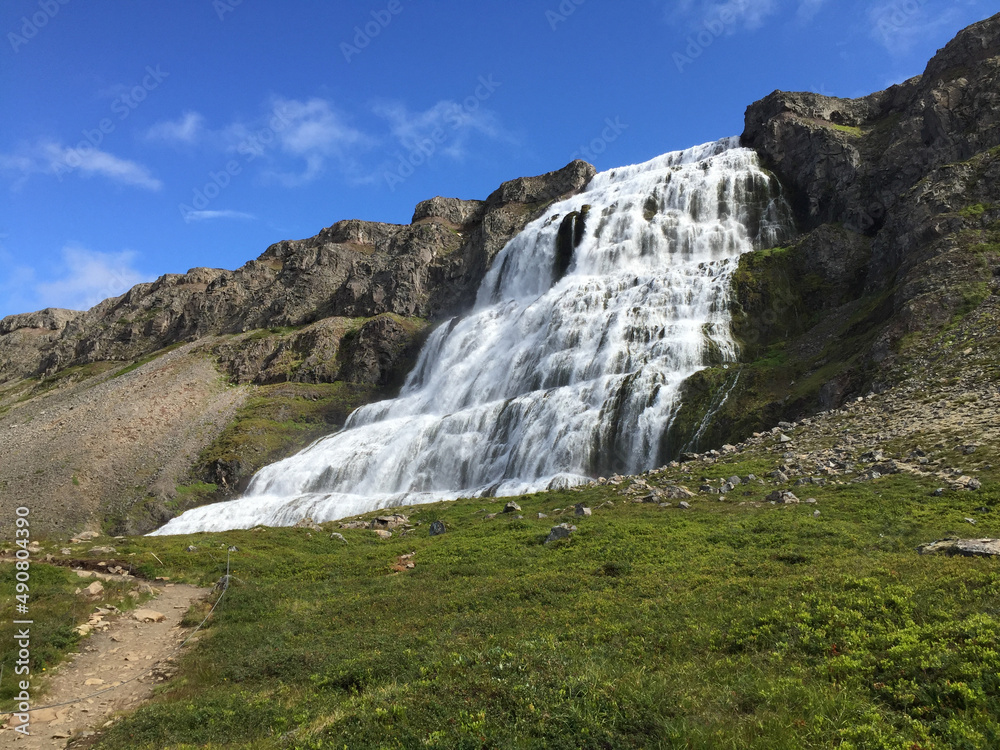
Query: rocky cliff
[898, 202]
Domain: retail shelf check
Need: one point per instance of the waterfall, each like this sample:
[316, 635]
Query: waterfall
[570, 362]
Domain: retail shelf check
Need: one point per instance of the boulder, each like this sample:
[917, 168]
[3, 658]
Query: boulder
[437, 528]
[962, 547]
[389, 522]
[562, 531]
[94, 589]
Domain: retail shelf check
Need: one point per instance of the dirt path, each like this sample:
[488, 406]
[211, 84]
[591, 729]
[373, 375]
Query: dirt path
[108, 658]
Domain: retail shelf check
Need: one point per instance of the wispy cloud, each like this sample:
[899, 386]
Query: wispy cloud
[296, 139]
[79, 281]
[447, 124]
[55, 159]
[900, 26]
[210, 215]
[187, 129]
[747, 14]
[314, 134]
[735, 15]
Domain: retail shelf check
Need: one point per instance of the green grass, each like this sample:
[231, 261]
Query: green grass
[975, 211]
[849, 129]
[725, 626]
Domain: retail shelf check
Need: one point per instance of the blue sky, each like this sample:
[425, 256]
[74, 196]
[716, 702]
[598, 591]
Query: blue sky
[143, 138]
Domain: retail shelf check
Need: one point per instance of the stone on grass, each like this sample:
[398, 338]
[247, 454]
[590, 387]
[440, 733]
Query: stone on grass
[338, 536]
[383, 534]
[963, 547]
[782, 496]
[511, 507]
[386, 523]
[562, 531]
[437, 528]
[95, 589]
[582, 510]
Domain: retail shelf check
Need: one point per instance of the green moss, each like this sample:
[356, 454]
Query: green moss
[849, 129]
[975, 211]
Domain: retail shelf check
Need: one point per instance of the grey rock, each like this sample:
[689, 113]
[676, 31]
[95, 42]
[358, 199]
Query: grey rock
[582, 510]
[784, 497]
[437, 528]
[963, 547]
[338, 536]
[389, 522]
[684, 504]
[562, 531]
[511, 507]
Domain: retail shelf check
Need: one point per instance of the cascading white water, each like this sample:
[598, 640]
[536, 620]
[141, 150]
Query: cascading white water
[570, 362]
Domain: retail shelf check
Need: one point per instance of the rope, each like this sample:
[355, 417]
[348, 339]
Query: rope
[225, 587]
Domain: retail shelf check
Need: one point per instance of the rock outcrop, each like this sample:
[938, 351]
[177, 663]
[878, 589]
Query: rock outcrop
[428, 269]
[897, 196]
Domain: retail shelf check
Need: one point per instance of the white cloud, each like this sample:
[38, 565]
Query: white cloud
[736, 14]
[749, 14]
[900, 26]
[87, 277]
[187, 129]
[209, 215]
[446, 127]
[53, 158]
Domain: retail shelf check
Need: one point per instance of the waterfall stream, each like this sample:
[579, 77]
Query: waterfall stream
[570, 362]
